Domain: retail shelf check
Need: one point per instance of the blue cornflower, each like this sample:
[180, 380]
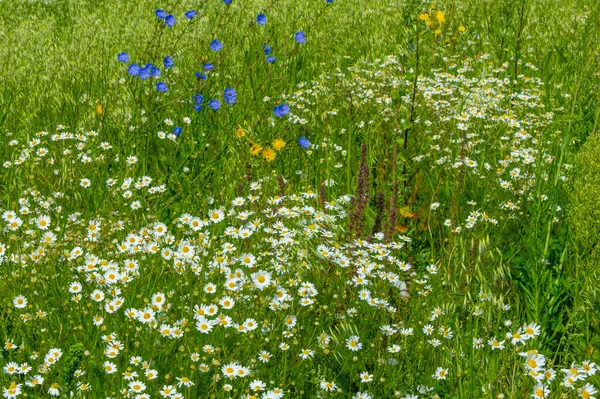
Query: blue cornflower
[155, 71]
[281, 110]
[190, 14]
[133, 70]
[177, 131]
[303, 142]
[216, 45]
[162, 87]
[271, 59]
[200, 76]
[199, 100]
[300, 37]
[229, 95]
[214, 104]
[330, 1]
[227, 1]
[123, 57]
[162, 14]
[267, 49]
[170, 20]
[144, 73]
[261, 19]
[168, 61]
[207, 67]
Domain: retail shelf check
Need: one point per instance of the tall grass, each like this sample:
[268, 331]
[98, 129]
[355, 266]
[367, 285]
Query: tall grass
[429, 155]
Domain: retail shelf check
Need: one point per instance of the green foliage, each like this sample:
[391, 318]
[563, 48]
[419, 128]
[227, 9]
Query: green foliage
[72, 362]
[584, 211]
[584, 225]
[472, 118]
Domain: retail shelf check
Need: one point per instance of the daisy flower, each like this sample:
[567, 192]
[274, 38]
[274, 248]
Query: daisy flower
[328, 386]
[185, 382]
[261, 279]
[540, 391]
[257, 385]
[216, 215]
[43, 222]
[264, 356]
[230, 370]
[531, 330]
[589, 367]
[306, 353]
[440, 373]
[495, 344]
[587, 391]
[20, 302]
[353, 343]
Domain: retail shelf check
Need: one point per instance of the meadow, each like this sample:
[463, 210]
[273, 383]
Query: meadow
[270, 199]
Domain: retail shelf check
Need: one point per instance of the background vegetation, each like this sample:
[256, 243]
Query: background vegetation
[382, 91]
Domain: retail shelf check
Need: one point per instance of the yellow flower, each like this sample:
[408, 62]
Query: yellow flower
[424, 17]
[278, 144]
[461, 29]
[269, 154]
[240, 133]
[438, 32]
[440, 17]
[255, 149]
[99, 109]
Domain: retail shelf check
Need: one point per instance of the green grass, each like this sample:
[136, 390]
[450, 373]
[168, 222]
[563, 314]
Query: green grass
[468, 214]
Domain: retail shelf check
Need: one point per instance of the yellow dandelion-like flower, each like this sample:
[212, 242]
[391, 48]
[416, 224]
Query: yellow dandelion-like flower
[99, 109]
[440, 17]
[269, 154]
[461, 29]
[424, 17]
[240, 133]
[255, 149]
[278, 144]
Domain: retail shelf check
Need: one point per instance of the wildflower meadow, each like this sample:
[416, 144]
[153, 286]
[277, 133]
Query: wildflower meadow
[267, 199]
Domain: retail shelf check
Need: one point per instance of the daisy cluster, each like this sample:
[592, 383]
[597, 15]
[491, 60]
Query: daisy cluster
[368, 86]
[73, 148]
[478, 126]
[536, 366]
[76, 159]
[472, 123]
[228, 295]
[239, 281]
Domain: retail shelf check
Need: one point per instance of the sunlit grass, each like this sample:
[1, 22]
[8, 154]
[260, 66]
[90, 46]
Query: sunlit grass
[392, 207]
